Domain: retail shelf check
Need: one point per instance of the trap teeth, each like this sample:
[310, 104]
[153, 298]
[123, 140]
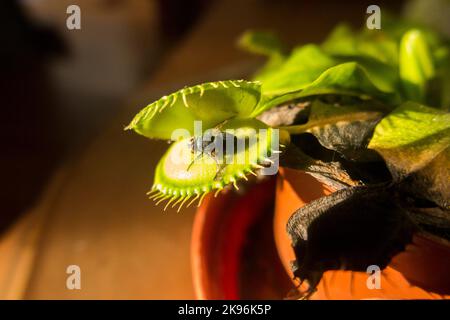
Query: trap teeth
[242, 175]
[201, 199]
[257, 166]
[169, 202]
[182, 203]
[217, 192]
[152, 191]
[193, 200]
[252, 172]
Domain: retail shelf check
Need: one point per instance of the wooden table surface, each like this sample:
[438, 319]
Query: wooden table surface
[95, 213]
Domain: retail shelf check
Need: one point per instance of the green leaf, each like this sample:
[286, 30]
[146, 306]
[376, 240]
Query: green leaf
[260, 42]
[416, 64]
[344, 79]
[396, 28]
[374, 44]
[271, 67]
[300, 69]
[341, 41]
[212, 103]
[267, 44]
[441, 88]
[348, 78]
[410, 137]
[383, 76]
[374, 50]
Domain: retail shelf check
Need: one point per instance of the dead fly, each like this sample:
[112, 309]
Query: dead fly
[212, 147]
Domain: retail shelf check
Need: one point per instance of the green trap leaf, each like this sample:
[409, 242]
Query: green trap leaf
[182, 175]
[212, 103]
[410, 137]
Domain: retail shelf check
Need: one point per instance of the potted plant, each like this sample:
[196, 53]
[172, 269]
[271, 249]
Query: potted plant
[361, 128]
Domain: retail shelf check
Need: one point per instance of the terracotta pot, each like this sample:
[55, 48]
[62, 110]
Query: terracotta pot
[422, 271]
[232, 250]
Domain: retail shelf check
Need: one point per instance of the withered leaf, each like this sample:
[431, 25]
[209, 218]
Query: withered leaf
[307, 154]
[345, 129]
[433, 181]
[285, 115]
[350, 230]
[433, 220]
[330, 173]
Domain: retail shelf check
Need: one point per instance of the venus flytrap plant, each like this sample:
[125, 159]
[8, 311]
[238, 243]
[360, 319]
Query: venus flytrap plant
[363, 112]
